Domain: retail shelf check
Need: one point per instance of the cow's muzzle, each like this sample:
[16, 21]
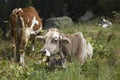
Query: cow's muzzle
[45, 52]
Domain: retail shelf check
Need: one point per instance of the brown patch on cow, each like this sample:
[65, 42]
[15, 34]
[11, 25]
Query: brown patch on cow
[32, 10]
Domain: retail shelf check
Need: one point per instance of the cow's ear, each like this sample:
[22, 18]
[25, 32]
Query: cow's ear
[65, 40]
[40, 37]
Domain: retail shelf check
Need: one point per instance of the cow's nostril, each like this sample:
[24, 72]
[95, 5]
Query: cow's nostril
[43, 51]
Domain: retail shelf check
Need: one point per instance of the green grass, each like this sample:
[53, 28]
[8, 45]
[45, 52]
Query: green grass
[105, 64]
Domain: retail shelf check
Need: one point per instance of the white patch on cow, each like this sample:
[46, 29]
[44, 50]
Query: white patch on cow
[34, 21]
[56, 34]
[28, 20]
[33, 48]
[33, 32]
[47, 52]
[30, 30]
[22, 58]
[17, 10]
[20, 9]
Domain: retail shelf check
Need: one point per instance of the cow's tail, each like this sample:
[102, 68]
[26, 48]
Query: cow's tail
[20, 24]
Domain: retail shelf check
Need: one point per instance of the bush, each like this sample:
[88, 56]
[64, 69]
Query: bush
[109, 5]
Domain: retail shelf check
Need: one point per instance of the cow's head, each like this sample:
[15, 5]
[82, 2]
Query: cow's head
[52, 41]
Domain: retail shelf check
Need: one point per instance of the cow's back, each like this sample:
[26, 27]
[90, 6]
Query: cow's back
[77, 47]
[28, 14]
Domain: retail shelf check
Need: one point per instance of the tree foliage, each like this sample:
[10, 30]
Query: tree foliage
[109, 6]
[56, 8]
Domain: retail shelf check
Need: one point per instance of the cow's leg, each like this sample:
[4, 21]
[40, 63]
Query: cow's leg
[33, 45]
[13, 48]
[14, 52]
[32, 38]
[22, 52]
[17, 52]
[63, 60]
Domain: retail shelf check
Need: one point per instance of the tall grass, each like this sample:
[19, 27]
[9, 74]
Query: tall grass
[105, 64]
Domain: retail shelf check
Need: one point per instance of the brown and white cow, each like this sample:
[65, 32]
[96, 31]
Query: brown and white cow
[68, 46]
[25, 24]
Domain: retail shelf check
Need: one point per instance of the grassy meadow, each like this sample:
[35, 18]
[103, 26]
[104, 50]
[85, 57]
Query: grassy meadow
[105, 64]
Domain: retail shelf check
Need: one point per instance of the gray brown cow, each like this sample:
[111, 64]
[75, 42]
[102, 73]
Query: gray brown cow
[68, 46]
[25, 24]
